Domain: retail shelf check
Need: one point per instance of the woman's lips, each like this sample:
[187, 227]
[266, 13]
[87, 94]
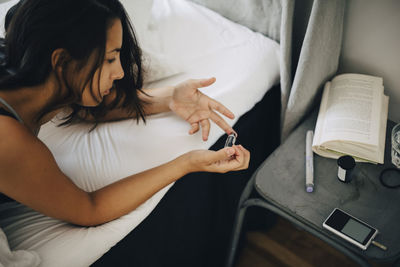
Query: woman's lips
[108, 91]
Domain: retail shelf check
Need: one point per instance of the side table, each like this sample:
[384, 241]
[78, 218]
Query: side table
[280, 181]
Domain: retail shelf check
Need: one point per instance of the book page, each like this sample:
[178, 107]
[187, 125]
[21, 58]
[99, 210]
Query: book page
[361, 152]
[321, 116]
[382, 127]
[353, 109]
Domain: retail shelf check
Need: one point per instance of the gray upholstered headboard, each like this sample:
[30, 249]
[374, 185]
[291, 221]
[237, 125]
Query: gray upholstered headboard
[263, 16]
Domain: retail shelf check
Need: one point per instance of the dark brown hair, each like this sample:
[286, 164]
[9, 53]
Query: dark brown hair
[35, 28]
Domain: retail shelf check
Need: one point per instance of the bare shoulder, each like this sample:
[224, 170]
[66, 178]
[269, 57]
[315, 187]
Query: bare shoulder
[30, 175]
[18, 145]
[16, 135]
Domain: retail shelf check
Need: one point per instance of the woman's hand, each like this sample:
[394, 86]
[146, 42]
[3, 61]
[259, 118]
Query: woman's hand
[197, 108]
[226, 159]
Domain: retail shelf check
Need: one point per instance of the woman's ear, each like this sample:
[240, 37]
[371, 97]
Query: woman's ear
[59, 57]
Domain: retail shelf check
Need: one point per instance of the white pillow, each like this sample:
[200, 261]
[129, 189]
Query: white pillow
[139, 12]
[199, 35]
[4, 7]
[157, 64]
[164, 56]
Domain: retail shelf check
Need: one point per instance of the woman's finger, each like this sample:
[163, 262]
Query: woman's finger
[214, 104]
[199, 116]
[194, 127]
[221, 123]
[206, 115]
[205, 82]
[237, 161]
[205, 129]
[246, 156]
[220, 155]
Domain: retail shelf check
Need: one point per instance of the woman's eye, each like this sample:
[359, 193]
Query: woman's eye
[111, 60]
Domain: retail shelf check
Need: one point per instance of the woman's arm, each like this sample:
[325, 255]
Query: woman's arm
[157, 100]
[186, 101]
[30, 175]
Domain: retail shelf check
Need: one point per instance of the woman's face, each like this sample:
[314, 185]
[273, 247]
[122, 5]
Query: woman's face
[110, 71]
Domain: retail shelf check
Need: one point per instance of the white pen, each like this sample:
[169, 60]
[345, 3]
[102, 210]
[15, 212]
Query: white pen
[309, 162]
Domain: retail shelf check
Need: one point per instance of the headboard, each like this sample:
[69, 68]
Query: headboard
[262, 16]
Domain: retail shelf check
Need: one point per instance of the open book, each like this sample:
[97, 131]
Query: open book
[352, 118]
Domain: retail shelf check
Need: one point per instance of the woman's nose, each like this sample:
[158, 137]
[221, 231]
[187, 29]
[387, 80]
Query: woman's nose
[119, 73]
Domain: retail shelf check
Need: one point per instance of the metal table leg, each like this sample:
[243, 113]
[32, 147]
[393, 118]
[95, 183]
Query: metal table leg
[237, 226]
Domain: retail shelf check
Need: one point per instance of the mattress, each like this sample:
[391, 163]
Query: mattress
[181, 40]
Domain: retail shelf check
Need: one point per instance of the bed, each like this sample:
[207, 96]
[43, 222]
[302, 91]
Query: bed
[192, 217]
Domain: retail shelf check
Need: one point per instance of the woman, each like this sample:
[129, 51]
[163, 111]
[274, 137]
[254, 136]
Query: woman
[81, 56]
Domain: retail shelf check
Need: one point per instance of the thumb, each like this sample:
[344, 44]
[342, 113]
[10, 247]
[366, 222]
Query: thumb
[223, 154]
[206, 82]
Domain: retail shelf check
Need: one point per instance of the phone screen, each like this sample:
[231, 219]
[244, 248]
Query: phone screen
[350, 226]
[356, 230]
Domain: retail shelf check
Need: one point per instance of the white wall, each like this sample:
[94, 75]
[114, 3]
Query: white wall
[371, 45]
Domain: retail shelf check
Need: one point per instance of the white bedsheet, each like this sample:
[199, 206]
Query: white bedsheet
[202, 44]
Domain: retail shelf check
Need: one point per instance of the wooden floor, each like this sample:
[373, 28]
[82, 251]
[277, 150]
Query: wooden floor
[286, 245]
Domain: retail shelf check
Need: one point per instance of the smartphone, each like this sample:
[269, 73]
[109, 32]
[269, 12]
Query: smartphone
[350, 228]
